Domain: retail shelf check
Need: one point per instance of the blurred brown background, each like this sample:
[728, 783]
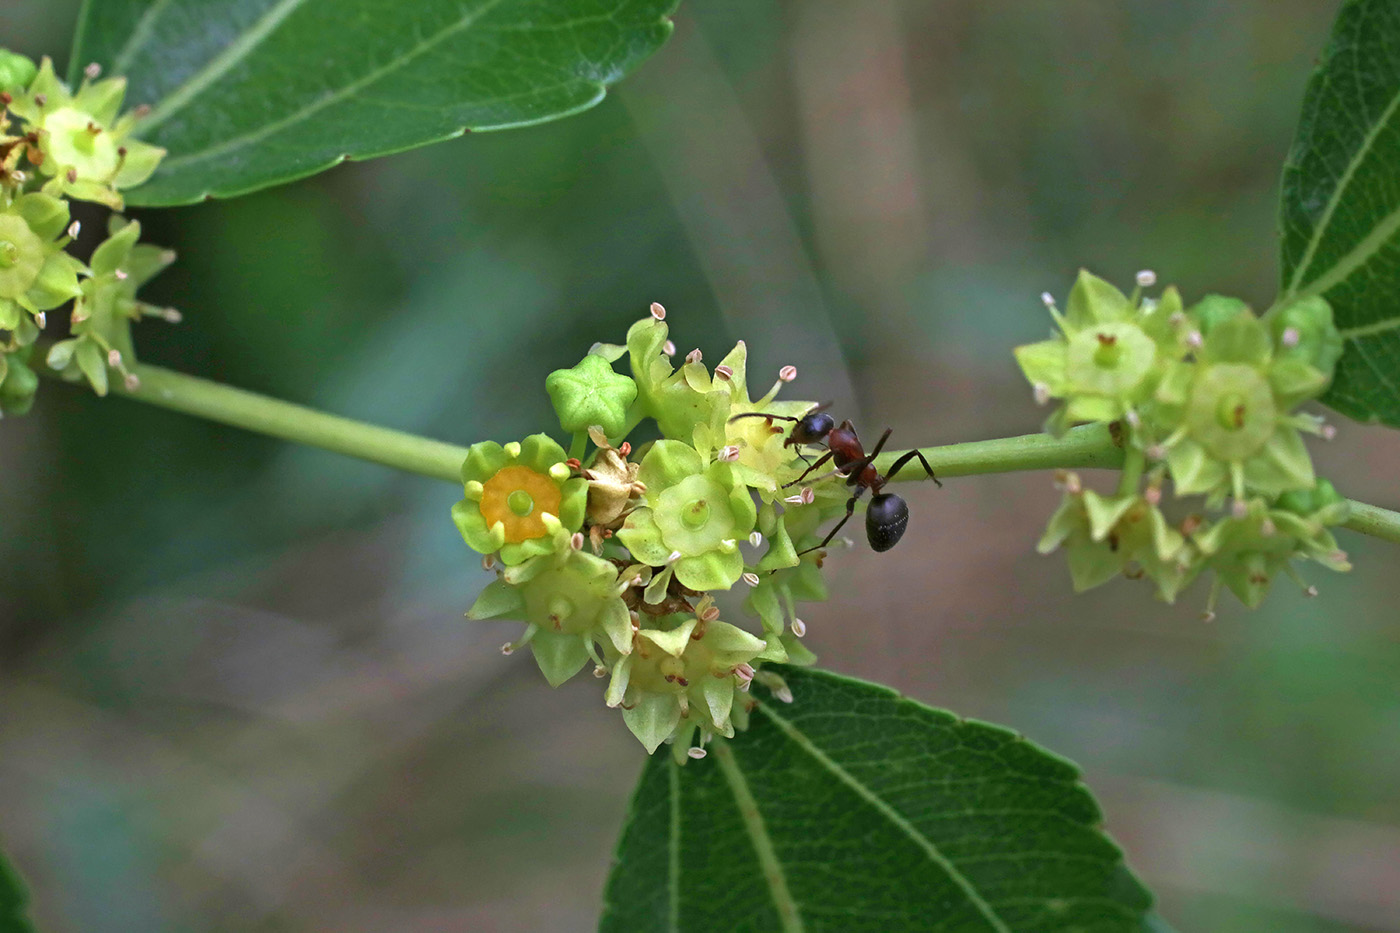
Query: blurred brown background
[236, 690]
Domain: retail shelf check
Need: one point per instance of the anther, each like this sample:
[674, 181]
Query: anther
[657, 311]
[668, 348]
[709, 614]
[1146, 278]
[507, 648]
[729, 454]
[131, 381]
[1133, 418]
[93, 71]
[41, 100]
[1208, 615]
[576, 542]
[72, 175]
[674, 556]
[1327, 431]
[1047, 299]
[799, 628]
[73, 229]
[1239, 509]
[756, 538]
[488, 562]
[599, 671]
[114, 359]
[1290, 337]
[1195, 340]
[120, 275]
[1156, 452]
[1267, 528]
[1310, 591]
[625, 449]
[694, 356]
[750, 578]
[41, 319]
[724, 372]
[1042, 393]
[783, 694]
[787, 373]
[695, 752]
[1152, 494]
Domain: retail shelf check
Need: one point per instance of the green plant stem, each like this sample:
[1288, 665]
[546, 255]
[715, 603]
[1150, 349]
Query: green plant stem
[264, 415]
[1086, 447]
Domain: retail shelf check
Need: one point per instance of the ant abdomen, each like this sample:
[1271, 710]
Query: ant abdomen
[885, 521]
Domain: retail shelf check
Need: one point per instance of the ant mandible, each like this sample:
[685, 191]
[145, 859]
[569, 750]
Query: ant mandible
[888, 514]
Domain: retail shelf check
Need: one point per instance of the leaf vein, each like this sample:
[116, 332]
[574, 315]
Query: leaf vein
[894, 816]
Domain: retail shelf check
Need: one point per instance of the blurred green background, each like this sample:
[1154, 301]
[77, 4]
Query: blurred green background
[236, 690]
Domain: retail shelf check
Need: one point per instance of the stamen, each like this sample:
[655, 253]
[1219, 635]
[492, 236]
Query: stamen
[695, 752]
[657, 311]
[750, 578]
[729, 454]
[1146, 278]
[799, 628]
[787, 373]
[668, 348]
[694, 356]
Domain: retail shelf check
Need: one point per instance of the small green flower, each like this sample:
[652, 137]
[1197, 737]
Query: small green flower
[36, 275]
[1108, 356]
[517, 496]
[1229, 414]
[571, 599]
[1249, 549]
[753, 445]
[108, 305]
[678, 400]
[83, 145]
[683, 669]
[591, 393]
[1105, 536]
[695, 514]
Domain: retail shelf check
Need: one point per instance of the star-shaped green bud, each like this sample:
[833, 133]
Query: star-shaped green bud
[1304, 331]
[591, 393]
[16, 71]
[695, 515]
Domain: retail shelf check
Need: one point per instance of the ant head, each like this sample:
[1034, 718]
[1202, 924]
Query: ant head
[812, 429]
[885, 521]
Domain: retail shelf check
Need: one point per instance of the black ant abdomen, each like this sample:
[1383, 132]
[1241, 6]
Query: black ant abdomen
[885, 520]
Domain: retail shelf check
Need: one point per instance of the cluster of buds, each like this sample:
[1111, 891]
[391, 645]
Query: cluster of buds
[57, 146]
[624, 556]
[1204, 401]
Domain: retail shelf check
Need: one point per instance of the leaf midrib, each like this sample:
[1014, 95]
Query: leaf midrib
[892, 815]
[334, 97]
[1334, 201]
[219, 65]
[788, 913]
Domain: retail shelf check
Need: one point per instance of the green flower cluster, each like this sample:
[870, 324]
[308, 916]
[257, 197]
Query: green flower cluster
[616, 555]
[56, 145]
[1204, 397]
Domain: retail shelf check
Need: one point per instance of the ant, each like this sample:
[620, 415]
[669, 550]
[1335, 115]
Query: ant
[888, 514]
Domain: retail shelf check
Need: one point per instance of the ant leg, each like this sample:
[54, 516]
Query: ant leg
[820, 460]
[850, 510]
[761, 414]
[894, 467]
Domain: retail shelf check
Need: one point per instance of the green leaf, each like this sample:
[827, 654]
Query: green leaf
[856, 809]
[1341, 205]
[12, 902]
[250, 93]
